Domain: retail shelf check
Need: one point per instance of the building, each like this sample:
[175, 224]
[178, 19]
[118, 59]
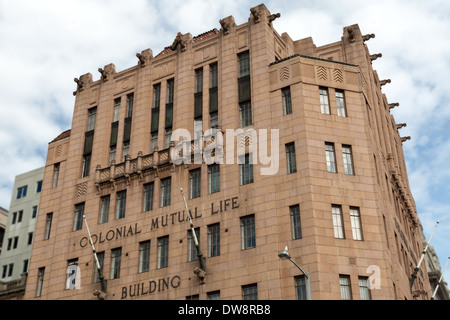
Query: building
[3, 220]
[19, 234]
[334, 189]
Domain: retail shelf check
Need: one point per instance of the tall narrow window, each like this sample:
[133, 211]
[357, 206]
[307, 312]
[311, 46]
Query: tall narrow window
[167, 138]
[287, 104]
[244, 90]
[296, 227]
[192, 250]
[55, 175]
[39, 186]
[214, 240]
[114, 131]
[340, 102]
[198, 94]
[88, 142]
[35, 211]
[121, 198]
[195, 183]
[364, 290]
[290, 157]
[40, 281]
[355, 219]
[248, 236]
[48, 225]
[78, 217]
[144, 256]
[104, 209]
[163, 252]
[213, 178]
[246, 169]
[338, 224]
[300, 287]
[213, 95]
[250, 292]
[154, 141]
[147, 197]
[116, 260]
[324, 100]
[346, 289]
[169, 113]
[166, 185]
[101, 261]
[348, 159]
[330, 157]
[73, 274]
[156, 95]
[116, 116]
[92, 114]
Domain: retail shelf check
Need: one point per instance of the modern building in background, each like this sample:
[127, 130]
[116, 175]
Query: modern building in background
[320, 169]
[3, 221]
[19, 234]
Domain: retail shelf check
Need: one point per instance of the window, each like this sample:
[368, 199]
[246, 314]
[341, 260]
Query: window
[78, 217]
[213, 178]
[246, 169]
[121, 199]
[167, 138]
[34, 212]
[198, 95]
[104, 209]
[16, 242]
[338, 224]
[364, 290]
[39, 186]
[116, 259]
[14, 218]
[213, 96]
[125, 149]
[30, 238]
[340, 102]
[5, 269]
[144, 256]
[147, 197]
[300, 287]
[156, 95]
[165, 191]
[290, 156]
[244, 90]
[86, 165]
[19, 218]
[193, 297]
[72, 274]
[348, 159]
[346, 290]
[163, 252]
[287, 104]
[48, 225]
[250, 292]
[192, 250]
[130, 102]
[214, 240]
[101, 261]
[214, 295]
[92, 113]
[25, 266]
[170, 90]
[22, 192]
[295, 222]
[40, 281]
[330, 157]
[55, 175]
[10, 270]
[112, 154]
[355, 219]
[245, 114]
[195, 183]
[324, 100]
[248, 237]
[154, 142]
[116, 116]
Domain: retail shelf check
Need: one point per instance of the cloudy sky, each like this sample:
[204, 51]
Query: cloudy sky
[45, 44]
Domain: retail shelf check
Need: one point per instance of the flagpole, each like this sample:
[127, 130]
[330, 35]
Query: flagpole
[200, 272]
[101, 295]
[440, 279]
[416, 270]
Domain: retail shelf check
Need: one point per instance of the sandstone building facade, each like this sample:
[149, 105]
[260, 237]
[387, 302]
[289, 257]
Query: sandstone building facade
[340, 199]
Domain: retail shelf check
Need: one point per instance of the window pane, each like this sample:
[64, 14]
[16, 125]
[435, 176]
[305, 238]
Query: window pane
[300, 287]
[330, 157]
[78, 217]
[250, 292]
[340, 102]
[248, 236]
[214, 240]
[214, 178]
[165, 191]
[116, 257]
[246, 170]
[364, 290]
[121, 204]
[148, 197]
[104, 209]
[346, 291]
[295, 222]
[355, 220]
[324, 101]
[144, 256]
[163, 252]
[290, 157]
[195, 183]
[287, 104]
[338, 225]
[348, 159]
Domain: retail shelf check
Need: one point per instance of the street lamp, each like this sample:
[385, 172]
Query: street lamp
[283, 255]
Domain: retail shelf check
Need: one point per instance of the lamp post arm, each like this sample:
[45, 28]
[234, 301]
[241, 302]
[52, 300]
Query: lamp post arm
[304, 273]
